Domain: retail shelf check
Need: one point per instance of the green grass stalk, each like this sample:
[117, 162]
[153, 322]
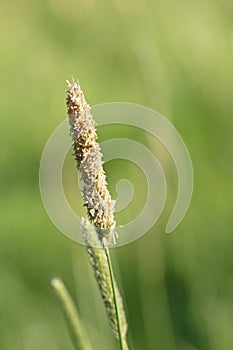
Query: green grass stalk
[122, 336]
[75, 326]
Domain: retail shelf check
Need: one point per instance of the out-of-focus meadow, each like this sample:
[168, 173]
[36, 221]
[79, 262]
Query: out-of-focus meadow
[175, 57]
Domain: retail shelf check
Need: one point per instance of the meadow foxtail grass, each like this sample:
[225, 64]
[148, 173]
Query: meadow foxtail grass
[99, 230]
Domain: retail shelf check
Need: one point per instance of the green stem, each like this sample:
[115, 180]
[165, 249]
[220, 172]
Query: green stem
[122, 340]
[75, 326]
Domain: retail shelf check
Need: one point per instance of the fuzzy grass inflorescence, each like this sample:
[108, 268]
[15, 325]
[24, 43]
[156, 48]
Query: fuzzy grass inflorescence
[97, 199]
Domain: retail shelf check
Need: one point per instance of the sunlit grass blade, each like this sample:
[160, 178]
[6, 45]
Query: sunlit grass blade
[74, 322]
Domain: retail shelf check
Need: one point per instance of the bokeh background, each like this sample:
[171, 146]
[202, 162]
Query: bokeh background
[175, 57]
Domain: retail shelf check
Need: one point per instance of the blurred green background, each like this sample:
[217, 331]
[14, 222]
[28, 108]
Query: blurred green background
[175, 57]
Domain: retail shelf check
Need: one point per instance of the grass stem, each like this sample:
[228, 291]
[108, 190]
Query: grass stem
[75, 326]
[122, 339]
